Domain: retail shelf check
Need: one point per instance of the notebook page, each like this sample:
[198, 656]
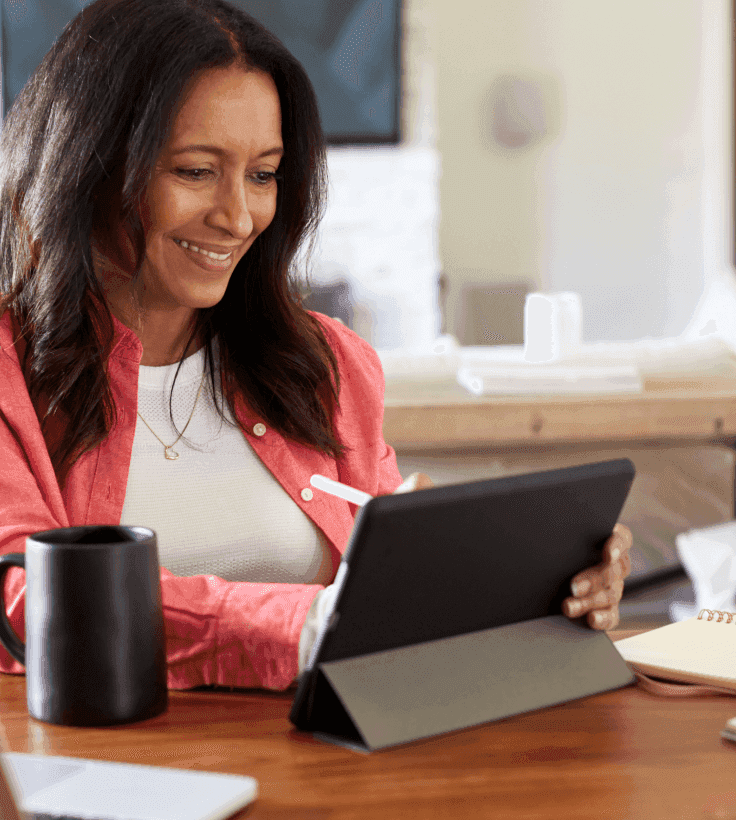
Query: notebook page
[692, 651]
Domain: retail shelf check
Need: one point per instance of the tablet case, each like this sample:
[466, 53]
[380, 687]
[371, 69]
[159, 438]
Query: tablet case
[449, 608]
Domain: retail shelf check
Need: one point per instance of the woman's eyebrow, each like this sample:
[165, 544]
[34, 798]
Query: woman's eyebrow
[276, 151]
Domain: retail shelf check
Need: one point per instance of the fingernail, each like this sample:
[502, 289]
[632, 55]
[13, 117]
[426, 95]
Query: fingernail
[615, 554]
[574, 608]
[601, 598]
[598, 619]
[580, 588]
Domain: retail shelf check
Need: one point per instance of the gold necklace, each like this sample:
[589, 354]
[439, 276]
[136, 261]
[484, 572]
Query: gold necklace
[169, 452]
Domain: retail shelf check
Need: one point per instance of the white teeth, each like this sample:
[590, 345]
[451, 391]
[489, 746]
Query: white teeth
[218, 257]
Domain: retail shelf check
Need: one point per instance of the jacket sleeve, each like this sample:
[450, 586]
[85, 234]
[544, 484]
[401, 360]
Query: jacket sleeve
[232, 633]
[24, 509]
[217, 632]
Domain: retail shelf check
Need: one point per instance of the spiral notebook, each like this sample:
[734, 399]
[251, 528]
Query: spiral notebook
[700, 650]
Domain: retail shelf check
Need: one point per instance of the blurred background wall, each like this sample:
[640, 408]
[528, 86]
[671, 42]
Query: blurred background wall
[575, 145]
[607, 201]
[545, 145]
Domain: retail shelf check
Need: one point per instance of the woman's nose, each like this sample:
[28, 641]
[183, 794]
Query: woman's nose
[234, 212]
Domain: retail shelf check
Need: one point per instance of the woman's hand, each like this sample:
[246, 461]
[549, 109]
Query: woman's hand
[597, 591]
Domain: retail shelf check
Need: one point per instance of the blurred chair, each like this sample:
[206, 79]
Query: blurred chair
[333, 299]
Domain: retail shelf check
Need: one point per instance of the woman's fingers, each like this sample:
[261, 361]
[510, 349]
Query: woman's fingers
[618, 545]
[603, 599]
[602, 576]
[598, 590]
[616, 565]
[604, 618]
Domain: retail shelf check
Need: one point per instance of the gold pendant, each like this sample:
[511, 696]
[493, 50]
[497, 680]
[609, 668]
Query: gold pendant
[172, 455]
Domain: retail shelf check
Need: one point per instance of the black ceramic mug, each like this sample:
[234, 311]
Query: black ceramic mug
[95, 651]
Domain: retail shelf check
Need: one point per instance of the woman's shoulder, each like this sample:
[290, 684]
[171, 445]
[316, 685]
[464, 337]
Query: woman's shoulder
[339, 332]
[345, 342]
[357, 361]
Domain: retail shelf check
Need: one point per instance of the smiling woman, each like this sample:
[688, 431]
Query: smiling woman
[158, 176]
[159, 173]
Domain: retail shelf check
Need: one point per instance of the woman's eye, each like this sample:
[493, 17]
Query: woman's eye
[193, 173]
[263, 179]
[266, 179]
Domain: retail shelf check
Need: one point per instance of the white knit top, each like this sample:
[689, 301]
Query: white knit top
[216, 510]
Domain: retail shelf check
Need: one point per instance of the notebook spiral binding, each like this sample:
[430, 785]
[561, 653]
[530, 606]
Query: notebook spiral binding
[726, 617]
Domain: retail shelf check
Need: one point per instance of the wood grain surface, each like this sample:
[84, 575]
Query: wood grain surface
[622, 754]
[419, 417]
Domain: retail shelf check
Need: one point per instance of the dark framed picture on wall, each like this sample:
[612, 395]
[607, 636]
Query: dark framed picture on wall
[351, 50]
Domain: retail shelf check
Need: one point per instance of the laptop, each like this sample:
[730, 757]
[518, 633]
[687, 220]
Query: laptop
[42, 787]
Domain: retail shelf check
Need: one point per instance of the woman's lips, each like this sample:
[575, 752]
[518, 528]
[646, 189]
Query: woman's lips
[204, 260]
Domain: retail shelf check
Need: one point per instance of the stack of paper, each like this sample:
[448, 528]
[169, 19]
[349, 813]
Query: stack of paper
[437, 362]
[599, 367]
[549, 378]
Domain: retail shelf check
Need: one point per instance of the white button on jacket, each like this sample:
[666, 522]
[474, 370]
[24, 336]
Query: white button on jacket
[259, 429]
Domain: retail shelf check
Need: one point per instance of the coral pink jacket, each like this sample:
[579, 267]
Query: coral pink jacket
[218, 632]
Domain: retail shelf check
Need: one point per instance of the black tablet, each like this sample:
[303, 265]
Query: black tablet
[458, 559]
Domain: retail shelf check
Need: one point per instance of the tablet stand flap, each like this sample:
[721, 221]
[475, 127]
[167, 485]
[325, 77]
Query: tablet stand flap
[321, 711]
[412, 692]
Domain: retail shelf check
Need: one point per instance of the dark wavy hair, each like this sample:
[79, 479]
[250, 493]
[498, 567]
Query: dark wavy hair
[84, 132]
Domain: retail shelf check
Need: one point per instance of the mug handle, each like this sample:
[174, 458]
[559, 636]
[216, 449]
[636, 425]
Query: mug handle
[8, 638]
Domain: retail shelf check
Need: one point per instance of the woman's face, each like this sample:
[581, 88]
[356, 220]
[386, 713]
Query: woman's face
[213, 191]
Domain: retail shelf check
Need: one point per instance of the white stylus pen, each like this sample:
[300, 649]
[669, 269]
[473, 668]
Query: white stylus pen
[327, 485]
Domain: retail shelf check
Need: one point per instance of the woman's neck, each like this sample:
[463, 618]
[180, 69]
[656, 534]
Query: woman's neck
[164, 334]
[163, 330]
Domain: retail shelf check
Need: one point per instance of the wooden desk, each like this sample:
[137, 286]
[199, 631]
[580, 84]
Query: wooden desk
[622, 754]
[444, 416]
